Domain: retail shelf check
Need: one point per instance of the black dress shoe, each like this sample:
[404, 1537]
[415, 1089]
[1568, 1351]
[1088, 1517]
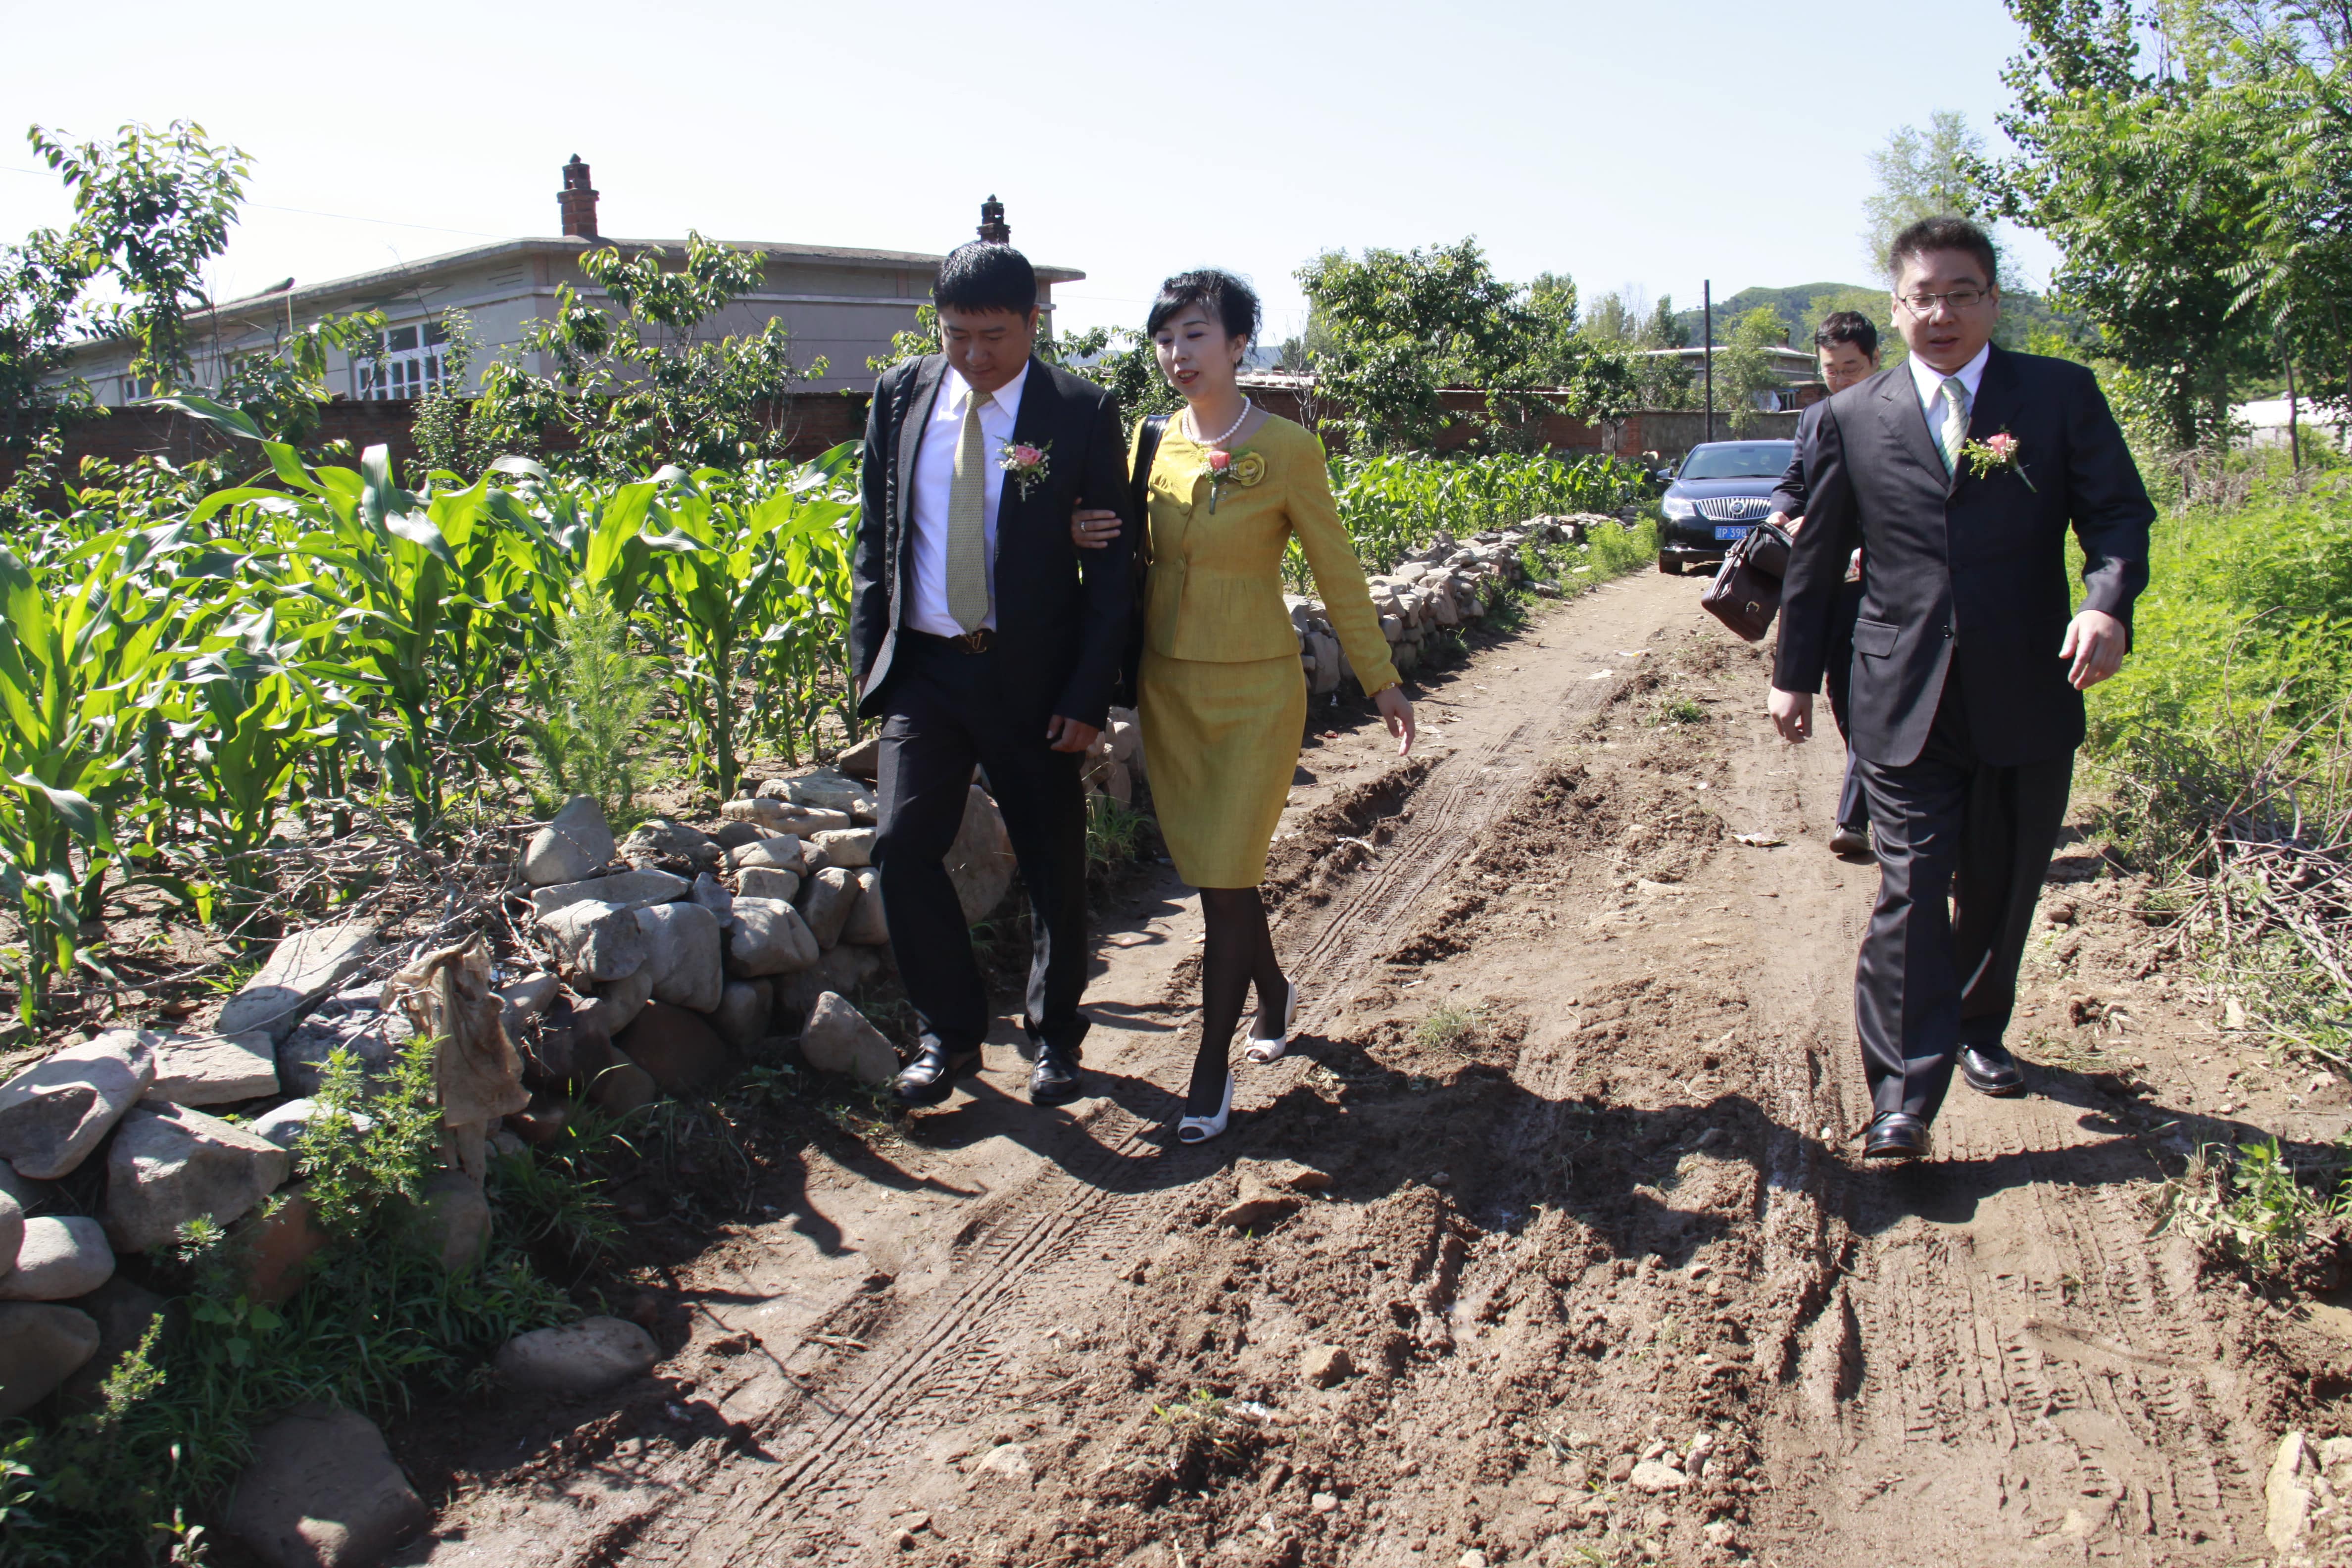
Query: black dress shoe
[1055, 1080]
[930, 1076]
[1896, 1135]
[1851, 841]
[1991, 1069]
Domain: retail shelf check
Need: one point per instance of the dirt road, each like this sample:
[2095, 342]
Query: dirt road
[1563, 1171]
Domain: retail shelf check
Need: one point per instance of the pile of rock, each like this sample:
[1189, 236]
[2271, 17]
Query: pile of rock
[678, 943]
[126, 1103]
[1442, 586]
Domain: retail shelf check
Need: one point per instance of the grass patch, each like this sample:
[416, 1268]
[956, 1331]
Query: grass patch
[1115, 833]
[1681, 711]
[1446, 1027]
[2251, 1209]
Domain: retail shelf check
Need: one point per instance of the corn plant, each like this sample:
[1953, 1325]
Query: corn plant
[246, 720]
[412, 594]
[804, 651]
[1397, 502]
[78, 653]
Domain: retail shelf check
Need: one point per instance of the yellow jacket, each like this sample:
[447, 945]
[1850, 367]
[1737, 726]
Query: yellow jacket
[1216, 587]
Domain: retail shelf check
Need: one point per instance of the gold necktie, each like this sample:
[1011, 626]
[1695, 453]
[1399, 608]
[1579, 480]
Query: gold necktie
[968, 525]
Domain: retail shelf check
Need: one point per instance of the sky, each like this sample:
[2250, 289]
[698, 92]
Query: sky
[1660, 143]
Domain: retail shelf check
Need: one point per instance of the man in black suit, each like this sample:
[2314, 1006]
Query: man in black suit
[1958, 473]
[1846, 343]
[981, 639]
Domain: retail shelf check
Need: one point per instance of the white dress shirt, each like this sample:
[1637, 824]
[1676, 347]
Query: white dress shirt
[927, 610]
[1930, 384]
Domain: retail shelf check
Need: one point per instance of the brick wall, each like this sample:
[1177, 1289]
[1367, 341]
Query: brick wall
[1667, 432]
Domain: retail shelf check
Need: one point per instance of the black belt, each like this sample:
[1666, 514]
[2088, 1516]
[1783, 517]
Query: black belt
[979, 641]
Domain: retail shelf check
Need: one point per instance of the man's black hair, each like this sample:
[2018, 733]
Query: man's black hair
[1941, 234]
[1848, 327]
[985, 275]
[1231, 301]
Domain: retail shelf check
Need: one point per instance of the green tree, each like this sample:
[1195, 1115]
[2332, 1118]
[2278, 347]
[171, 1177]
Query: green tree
[1744, 368]
[449, 437]
[40, 283]
[2152, 183]
[1404, 325]
[643, 383]
[151, 209]
[1922, 174]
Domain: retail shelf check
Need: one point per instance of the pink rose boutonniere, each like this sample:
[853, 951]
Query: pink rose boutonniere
[1995, 453]
[1025, 464]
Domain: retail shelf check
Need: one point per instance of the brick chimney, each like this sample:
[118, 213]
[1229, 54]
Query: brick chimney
[578, 200]
[993, 226]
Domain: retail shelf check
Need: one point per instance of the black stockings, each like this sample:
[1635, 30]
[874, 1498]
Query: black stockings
[1238, 952]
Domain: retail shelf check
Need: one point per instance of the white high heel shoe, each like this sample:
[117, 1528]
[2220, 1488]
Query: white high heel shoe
[1200, 1129]
[1262, 1051]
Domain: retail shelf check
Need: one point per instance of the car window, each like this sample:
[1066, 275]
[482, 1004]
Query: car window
[1737, 460]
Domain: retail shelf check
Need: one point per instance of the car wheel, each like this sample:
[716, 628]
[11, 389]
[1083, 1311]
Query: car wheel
[1672, 565]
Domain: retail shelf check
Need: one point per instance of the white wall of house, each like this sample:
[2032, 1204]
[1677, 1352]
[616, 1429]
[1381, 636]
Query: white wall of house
[842, 305]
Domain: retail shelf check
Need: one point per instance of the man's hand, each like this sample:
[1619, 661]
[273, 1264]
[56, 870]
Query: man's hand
[2095, 641]
[1092, 528]
[1792, 715]
[1785, 523]
[1069, 735]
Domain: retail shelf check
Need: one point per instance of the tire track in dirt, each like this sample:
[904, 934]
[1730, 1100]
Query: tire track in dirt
[1037, 1250]
[2033, 1377]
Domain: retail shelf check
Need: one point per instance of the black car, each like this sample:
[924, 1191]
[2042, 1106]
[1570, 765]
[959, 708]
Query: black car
[1718, 492]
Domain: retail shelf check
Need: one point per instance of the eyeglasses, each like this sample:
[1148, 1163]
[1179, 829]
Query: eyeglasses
[1923, 302]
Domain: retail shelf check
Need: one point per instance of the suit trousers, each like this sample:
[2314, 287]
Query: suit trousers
[1853, 806]
[1935, 975]
[943, 713]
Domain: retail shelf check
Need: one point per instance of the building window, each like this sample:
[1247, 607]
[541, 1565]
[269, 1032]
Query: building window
[136, 388]
[407, 363]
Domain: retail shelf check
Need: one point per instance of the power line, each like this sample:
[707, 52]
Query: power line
[308, 212]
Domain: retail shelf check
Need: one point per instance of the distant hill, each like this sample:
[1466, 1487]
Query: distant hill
[1790, 304]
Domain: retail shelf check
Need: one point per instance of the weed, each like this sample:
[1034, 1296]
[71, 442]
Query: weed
[1681, 711]
[1200, 1421]
[377, 1317]
[1115, 831]
[1446, 1028]
[544, 1205]
[597, 693]
[2253, 1210]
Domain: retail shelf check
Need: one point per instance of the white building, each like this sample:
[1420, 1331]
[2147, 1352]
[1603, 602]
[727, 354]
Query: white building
[840, 303]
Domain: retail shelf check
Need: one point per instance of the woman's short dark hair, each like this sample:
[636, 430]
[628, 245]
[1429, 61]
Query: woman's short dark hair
[1942, 234]
[1848, 327]
[985, 275]
[1231, 301]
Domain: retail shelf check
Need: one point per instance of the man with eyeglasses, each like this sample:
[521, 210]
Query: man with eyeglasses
[1959, 474]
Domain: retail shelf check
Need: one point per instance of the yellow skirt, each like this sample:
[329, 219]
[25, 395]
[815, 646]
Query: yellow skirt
[1220, 747]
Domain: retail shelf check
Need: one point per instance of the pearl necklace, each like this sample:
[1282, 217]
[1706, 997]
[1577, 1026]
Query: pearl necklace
[1194, 420]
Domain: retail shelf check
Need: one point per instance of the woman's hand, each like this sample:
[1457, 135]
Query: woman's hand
[1396, 711]
[1092, 529]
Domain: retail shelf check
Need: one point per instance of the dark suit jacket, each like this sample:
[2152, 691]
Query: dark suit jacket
[1789, 494]
[1061, 612]
[1963, 569]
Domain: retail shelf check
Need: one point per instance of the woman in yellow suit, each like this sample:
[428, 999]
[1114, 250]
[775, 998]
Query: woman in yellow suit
[1223, 694]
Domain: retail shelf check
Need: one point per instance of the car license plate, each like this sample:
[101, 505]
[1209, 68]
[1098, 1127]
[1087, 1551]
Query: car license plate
[1732, 530]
